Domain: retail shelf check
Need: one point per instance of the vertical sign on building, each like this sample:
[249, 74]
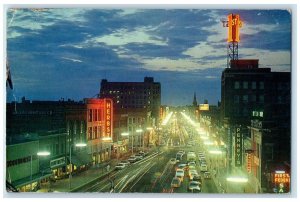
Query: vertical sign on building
[238, 147]
[249, 162]
[108, 118]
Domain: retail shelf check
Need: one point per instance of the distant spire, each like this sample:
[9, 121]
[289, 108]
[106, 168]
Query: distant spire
[195, 104]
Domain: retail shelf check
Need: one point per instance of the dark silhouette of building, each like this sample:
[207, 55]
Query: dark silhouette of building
[247, 89]
[195, 103]
[134, 95]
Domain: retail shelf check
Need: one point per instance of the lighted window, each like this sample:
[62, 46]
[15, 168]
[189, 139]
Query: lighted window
[236, 85]
[245, 84]
[261, 114]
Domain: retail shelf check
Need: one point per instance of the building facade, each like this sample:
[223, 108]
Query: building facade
[247, 88]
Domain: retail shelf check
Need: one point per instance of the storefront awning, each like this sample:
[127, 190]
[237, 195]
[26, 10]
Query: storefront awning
[29, 180]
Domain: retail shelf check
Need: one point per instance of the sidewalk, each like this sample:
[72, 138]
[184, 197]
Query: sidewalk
[79, 179]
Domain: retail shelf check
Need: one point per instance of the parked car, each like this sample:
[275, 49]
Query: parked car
[126, 162]
[194, 187]
[175, 182]
[138, 157]
[120, 166]
[132, 159]
[180, 174]
[142, 153]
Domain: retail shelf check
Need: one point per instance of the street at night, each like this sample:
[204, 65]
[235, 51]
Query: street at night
[164, 101]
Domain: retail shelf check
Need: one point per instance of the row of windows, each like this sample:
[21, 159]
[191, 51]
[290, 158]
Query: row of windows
[132, 92]
[56, 149]
[133, 120]
[248, 98]
[140, 102]
[95, 132]
[20, 161]
[249, 85]
[95, 115]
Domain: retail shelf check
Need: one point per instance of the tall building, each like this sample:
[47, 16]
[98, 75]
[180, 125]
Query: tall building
[137, 95]
[136, 105]
[246, 89]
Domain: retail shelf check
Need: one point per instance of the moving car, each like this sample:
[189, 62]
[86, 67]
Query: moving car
[181, 166]
[203, 167]
[207, 175]
[175, 182]
[197, 178]
[194, 187]
[180, 174]
[192, 173]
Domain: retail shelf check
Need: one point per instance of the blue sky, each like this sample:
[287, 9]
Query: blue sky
[64, 53]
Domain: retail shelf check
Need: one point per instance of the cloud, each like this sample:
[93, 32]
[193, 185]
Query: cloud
[71, 59]
[124, 36]
[31, 19]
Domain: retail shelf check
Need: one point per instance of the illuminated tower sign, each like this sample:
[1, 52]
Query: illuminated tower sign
[233, 23]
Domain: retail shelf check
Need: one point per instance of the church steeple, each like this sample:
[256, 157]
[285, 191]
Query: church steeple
[195, 104]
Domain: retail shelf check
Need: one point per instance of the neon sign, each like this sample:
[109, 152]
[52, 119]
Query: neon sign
[281, 178]
[108, 118]
[249, 162]
[238, 147]
[234, 24]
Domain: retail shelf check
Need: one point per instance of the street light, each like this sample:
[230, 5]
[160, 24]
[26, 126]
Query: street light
[71, 168]
[44, 153]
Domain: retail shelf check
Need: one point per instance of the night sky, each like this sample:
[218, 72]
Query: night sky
[64, 53]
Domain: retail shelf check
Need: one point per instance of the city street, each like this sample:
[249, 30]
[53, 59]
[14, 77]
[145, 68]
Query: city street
[154, 173]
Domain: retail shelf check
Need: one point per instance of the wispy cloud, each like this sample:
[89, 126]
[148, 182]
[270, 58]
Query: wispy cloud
[71, 59]
[124, 36]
